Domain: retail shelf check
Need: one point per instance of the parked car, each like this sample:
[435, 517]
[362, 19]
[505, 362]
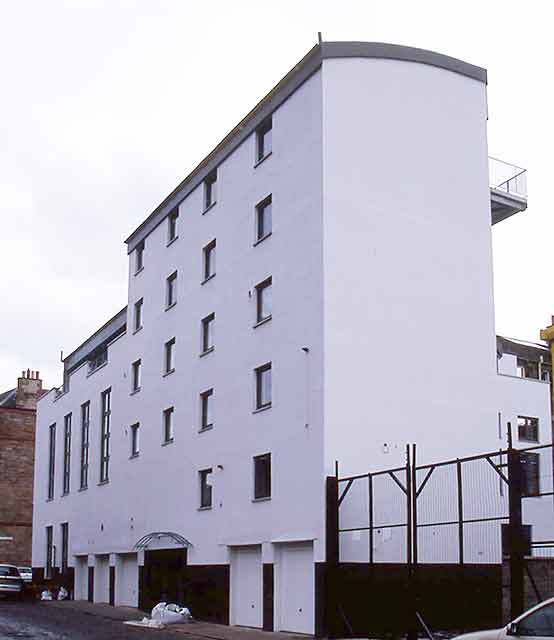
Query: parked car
[26, 573]
[11, 582]
[537, 622]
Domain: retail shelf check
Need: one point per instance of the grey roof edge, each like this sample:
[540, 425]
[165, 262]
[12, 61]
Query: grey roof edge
[516, 347]
[308, 65]
[104, 334]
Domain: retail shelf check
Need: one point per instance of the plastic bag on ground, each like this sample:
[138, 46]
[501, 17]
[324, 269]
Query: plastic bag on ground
[46, 595]
[63, 594]
[171, 613]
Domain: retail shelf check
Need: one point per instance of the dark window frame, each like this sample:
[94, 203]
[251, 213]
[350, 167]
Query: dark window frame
[264, 144]
[85, 436]
[105, 432]
[64, 557]
[172, 218]
[206, 409]
[168, 425]
[171, 290]
[528, 428]
[206, 494]
[66, 454]
[169, 356]
[264, 218]
[139, 257]
[262, 476]
[51, 460]
[209, 260]
[135, 442]
[259, 373]
[49, 564]
[210, 190]
[137, 320]
[261, 290]
[136, 375]
[208, 333]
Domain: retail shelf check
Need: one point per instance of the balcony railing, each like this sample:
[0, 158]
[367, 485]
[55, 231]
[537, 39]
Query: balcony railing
[508, 178]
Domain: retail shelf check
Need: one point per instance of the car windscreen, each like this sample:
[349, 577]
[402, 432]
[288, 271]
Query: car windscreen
[10, 572]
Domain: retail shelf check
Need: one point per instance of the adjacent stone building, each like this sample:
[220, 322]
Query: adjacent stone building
[17, 453]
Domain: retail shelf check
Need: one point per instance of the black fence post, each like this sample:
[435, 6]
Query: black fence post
[327, 626]
[516, 541]
[411, 632]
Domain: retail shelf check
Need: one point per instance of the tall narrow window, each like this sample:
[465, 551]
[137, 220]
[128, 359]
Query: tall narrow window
[49, 552]
[106, 402]
[264, 140]
[136, 375]
[528, 428]
[135, 445]
[206, 409]
[66, 453]
[205, 489]
[263, 300]
[168, 424]
[171, 290]
[85, 422]
[169, 356]
[263, 386]
[139, 257]
[210, 190]
[137, 324]
[264, 220]
[172, 225]
[65, 546]
[262, 476]
[51, 460]
[209, 261]
[208, 333]
[530, 474]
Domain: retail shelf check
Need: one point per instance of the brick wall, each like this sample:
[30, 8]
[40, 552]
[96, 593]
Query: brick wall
[538, 583]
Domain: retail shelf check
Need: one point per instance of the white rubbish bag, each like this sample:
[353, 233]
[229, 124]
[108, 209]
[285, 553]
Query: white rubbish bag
[171, 613]
[46, 595]
[63, 594]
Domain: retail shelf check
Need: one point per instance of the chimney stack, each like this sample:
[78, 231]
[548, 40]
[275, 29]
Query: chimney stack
[29, 390]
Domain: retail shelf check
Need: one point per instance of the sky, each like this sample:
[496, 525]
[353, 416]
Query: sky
[107, 105]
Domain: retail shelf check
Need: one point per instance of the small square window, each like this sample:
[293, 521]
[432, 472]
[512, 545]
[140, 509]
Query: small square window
[137, 324]
[263, 386]
[206, 409]
[208, 333]
[530, 474]
[169, 356]
[209, 260]
[262, 476]
[139, 257]
[263, 300]
[135, 440]
[136, 375]
[168, 424]
[210, 189]
[171, 290]
[264, 222]
[264, 140]
[528, 428]
[205, 489]
[172, 225]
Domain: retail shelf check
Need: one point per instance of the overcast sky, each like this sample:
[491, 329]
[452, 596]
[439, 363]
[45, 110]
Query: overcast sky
[107, 105]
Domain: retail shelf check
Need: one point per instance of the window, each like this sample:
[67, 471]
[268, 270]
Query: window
[205, 489]
[210, 190]
[528, 428]
[209, 261]
[66, 453]
[263, 140]
[49, 552]
[135, 440]
[97, 358]
[137, 324]
[263, 300]
[208, 333]
[169, 356]
[206, 409]
[171, 290]
[51, 460]
[262, 476]
[263, 219]
[530, 474]
[263, 386]
[85, 421]
[106, 402]
[540, 623]
[139, 257]
[65, 546]
[172, 225]
[135, 375]
[168, 424]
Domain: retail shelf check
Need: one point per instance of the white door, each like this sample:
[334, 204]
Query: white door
[296, 590]
[246, 586]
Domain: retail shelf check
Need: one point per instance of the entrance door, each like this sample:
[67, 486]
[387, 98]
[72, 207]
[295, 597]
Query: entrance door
[295, 588]
[246, 586]
[164, 575]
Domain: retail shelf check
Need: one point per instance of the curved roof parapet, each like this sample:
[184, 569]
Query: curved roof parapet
[399, 52]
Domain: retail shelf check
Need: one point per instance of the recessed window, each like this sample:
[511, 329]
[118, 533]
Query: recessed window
[66, 453]
[85, 423]
[172, 225]
[49, 552]
[262, 476]
[139, 257]
[169, 356]
[205, 488]
[263, 300]
[51, 460]
[136, 375]
[168, 424]
[263, 386]
[64, 527]
[206, 409]
[210, 189]
[137, 323]
[264, 222]
[208, 333]
[264, 140]
[171, 290]
[530, 473]
[528, 428]
[209, 260]
[106, 402]
[135, 444]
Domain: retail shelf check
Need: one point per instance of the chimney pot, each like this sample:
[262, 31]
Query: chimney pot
[28, 373]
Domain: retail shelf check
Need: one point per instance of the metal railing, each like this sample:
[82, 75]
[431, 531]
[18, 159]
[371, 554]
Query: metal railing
[507, 177]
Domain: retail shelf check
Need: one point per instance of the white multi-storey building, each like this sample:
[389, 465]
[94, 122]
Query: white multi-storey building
[349, 311]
